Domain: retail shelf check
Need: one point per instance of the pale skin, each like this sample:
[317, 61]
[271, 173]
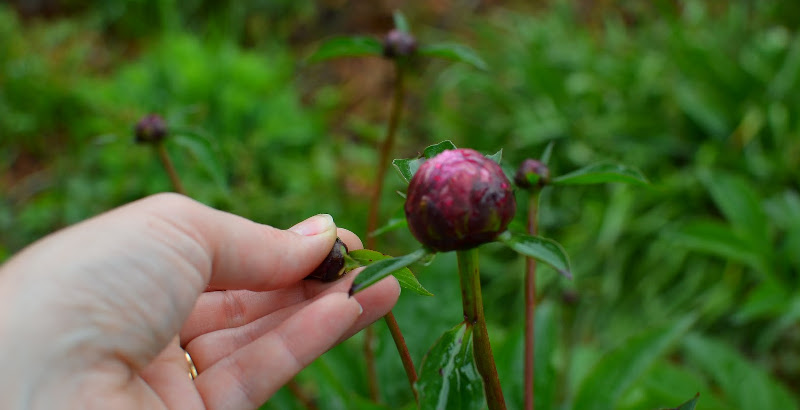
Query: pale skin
[98, 315]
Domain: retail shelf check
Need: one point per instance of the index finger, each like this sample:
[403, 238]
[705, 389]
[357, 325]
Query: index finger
[231, 252]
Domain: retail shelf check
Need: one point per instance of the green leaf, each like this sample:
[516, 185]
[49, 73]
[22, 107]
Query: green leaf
[204, 154]
[602, 173]
[347, 47]
[497, 156]
[448, 378]
[619, 369]
[391, 225]
[718, 239]
[689, 405]
[744, 385]
[407, 280]
[383, 268]
[741, 205]
[400, 22]
[548, 152]
[408, 167]
[454, 52]
[436, 149]
[542, 249]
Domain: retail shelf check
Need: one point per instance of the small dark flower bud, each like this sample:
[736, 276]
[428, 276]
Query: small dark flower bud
[399, 44]
[332, 267]
[150, 129]
[532, 173]
[458, 200]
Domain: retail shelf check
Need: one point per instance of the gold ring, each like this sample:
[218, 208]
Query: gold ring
[192, 367]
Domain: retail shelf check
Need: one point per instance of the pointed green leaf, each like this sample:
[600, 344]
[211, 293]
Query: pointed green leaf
[602, 173]
[548, 152]
[407, 167]
[718, 239]
[454, 52]
[448, 377]
[203, 152]
[436, 149]
[497, 156]
[407, 280]
[619, 369]
[347, 47]
[391, 225]
[745, 385]
[383, 268]
[542, 249]
[741, 205]
[689, 405]
[400, 22]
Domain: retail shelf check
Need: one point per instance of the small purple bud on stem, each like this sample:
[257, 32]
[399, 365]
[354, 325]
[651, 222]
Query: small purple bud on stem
[399, 44]
[458, 200]
[532, 173]
[150, 129]
[332, 267]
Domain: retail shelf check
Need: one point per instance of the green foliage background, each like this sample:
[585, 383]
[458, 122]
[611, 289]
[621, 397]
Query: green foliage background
[687, 286]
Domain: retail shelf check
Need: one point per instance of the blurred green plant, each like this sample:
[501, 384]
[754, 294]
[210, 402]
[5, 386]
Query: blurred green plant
[698, 96]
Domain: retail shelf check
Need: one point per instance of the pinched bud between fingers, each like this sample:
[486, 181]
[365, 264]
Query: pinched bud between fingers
[332, 267]
[532, 173]
[150, 129]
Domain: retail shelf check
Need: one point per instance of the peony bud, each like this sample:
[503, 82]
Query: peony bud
[399, 44]
[332, 267]
[532, 173]
[458, 200]
[151, 129]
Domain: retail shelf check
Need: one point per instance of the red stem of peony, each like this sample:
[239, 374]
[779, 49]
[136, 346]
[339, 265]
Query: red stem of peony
[469, 273]
[161, 150]
[530, 305]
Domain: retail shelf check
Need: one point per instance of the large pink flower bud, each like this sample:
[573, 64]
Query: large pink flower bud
[459, 200]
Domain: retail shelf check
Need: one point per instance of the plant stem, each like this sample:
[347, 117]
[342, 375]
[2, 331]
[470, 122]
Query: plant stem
[301, 395]
[372, 224]
[372, 369]
[402, 349]
[530, 304]
[161, 150]
[385, 154]
[468, 272]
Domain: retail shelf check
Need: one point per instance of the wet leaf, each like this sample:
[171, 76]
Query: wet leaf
[448, 378]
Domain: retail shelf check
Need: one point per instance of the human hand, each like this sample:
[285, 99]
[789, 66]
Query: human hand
[96, 315]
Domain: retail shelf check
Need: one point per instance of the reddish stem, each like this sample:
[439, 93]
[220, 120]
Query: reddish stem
[163, 155]
[530, 306]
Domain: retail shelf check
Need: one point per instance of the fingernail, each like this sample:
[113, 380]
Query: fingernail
[315, 225]
[360, 309]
